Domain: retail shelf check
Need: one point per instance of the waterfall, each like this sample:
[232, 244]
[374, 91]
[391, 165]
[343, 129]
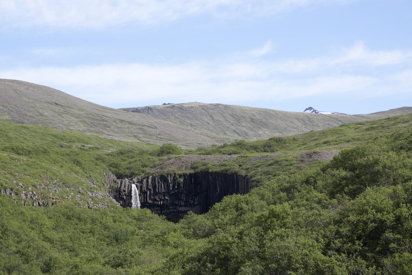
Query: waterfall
[135, 197]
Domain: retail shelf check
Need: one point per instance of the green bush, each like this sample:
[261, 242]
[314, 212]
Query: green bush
[354, 170]
[169, 149]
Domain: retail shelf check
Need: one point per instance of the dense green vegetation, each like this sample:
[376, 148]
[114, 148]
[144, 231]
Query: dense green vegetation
[350, 215]
[72, 240]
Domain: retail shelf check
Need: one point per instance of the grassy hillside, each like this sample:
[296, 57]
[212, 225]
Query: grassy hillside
[188, 125]
[238, 122]
[28, 103]
[344, 136]
[51, 166]
[305, 215]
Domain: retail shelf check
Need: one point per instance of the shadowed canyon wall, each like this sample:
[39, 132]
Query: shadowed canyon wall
[173, 195]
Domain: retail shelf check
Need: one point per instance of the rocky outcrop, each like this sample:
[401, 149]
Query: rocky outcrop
[26, 197]
[173, 195]
[52, 192]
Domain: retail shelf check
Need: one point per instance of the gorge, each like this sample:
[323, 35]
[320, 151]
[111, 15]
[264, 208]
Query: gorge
[173, 195]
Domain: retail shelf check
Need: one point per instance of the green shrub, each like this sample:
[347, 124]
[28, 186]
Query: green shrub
[354, 170]
[169, 149]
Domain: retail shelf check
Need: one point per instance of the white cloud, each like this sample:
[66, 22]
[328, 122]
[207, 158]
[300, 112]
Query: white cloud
[264, 50]
[361, 54]
[97, 14]
[356, 56]
[53, 52]
[240, 80]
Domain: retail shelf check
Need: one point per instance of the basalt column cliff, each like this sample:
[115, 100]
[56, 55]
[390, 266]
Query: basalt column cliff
[173, 195]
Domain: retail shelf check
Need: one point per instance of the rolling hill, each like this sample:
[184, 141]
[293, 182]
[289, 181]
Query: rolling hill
[188, 125]
[28, 103]
[239, 122]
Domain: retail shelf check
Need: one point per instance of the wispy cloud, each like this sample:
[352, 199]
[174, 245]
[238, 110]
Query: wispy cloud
[261, 51]
[350, 71]
[346, 59]
[359, 53]
[96, 14]
[53, 52]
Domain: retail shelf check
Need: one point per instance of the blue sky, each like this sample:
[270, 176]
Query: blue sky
[352, 56]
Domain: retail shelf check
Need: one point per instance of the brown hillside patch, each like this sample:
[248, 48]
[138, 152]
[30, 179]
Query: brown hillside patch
[318, 156]
[185, 162]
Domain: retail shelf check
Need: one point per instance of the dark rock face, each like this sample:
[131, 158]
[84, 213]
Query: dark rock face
[173, 195]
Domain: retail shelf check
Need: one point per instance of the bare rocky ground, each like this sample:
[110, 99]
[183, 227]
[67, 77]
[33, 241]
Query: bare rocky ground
[182, 163]
[262, 158]
[308, 157]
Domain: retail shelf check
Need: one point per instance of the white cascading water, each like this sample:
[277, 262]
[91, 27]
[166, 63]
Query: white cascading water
[135, 197]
